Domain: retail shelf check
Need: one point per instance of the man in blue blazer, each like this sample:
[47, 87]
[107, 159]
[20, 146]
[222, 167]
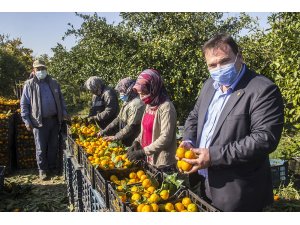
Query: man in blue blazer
[236, 123]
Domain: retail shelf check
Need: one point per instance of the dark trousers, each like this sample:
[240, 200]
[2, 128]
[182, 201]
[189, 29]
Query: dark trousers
[46, 144]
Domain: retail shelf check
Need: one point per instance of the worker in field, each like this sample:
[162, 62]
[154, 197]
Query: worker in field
[236, 123]
[157, 140]
[126, 127]
[105, 104]
[43, 110]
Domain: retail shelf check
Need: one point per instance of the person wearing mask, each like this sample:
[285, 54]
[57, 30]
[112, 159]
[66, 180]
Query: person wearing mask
[157, 140]
[43, 110]
[105, 104]
[126, 127]
[236, 123]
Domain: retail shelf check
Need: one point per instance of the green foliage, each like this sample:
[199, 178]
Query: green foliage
[276, 54]
[289, 192]
[169, 42]
[289, 146]
[15, 64]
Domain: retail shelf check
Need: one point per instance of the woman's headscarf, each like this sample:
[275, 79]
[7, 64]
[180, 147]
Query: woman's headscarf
[150, 81]
[95, 85]
[126, 86]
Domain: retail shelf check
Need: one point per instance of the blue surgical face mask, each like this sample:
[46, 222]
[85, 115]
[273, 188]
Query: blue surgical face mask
[225, 75]
[41, 74]
[123, 98]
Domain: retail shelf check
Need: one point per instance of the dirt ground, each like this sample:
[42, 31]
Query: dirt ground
[26, 193]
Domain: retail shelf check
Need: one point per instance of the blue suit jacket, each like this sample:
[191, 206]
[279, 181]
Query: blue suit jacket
[248, 129]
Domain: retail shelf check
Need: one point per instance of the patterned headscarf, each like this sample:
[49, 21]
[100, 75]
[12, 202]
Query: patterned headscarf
[150, 81]
[95, 85]
[126, 86]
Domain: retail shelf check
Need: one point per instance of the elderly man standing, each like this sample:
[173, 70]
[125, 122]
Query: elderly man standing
[43, 109]
[234, 126]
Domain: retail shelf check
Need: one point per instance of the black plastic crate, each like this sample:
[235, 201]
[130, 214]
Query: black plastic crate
[67, 169]
[97, 202]
[68, 174]
[7, 146]
[154, 172]
[73, 148]
[101, 185]
[86, 194]
[87, 166]
[115, 203]
[279, 171]
[77, 185]
[202, 205]
[2, 173]
[294, 165]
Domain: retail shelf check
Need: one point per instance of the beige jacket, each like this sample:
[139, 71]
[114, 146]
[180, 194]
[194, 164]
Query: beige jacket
[127, 124]
[163, 146]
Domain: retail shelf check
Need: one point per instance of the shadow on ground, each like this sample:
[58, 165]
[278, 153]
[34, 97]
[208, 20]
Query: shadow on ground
[24, 192]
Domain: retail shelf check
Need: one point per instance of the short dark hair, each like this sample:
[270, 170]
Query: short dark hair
[221, 38]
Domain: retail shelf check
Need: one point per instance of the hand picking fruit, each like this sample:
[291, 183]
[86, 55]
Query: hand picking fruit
[189, 160]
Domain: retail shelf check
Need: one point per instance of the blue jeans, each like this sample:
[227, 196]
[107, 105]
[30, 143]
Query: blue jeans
[46, 144]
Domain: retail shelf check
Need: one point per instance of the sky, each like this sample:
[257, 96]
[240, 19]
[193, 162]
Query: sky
[42, 31]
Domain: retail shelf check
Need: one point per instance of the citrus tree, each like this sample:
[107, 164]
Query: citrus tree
[15, 63]
[276, 54]
[169, 42]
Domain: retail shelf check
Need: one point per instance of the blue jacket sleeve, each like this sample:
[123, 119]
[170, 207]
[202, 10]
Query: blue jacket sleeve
[25, 105]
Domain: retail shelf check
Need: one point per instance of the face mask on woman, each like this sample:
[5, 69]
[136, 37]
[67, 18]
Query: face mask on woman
[147, 99]
[41, 74]
[123, 97]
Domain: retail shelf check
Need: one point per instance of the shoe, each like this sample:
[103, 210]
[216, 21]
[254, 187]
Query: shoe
[55, 172]
[43, 175]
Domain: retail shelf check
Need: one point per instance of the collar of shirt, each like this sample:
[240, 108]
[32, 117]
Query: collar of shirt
[232, 87]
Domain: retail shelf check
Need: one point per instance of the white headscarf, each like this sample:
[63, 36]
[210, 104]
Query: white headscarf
[95, 85]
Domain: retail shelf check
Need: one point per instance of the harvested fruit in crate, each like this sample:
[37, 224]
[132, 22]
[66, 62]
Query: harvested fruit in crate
[105, 155]
[151, 196]
[134, 178]
[185, 205]
[82, 129]
[6, 139]
[25, 146]
[9, 104]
